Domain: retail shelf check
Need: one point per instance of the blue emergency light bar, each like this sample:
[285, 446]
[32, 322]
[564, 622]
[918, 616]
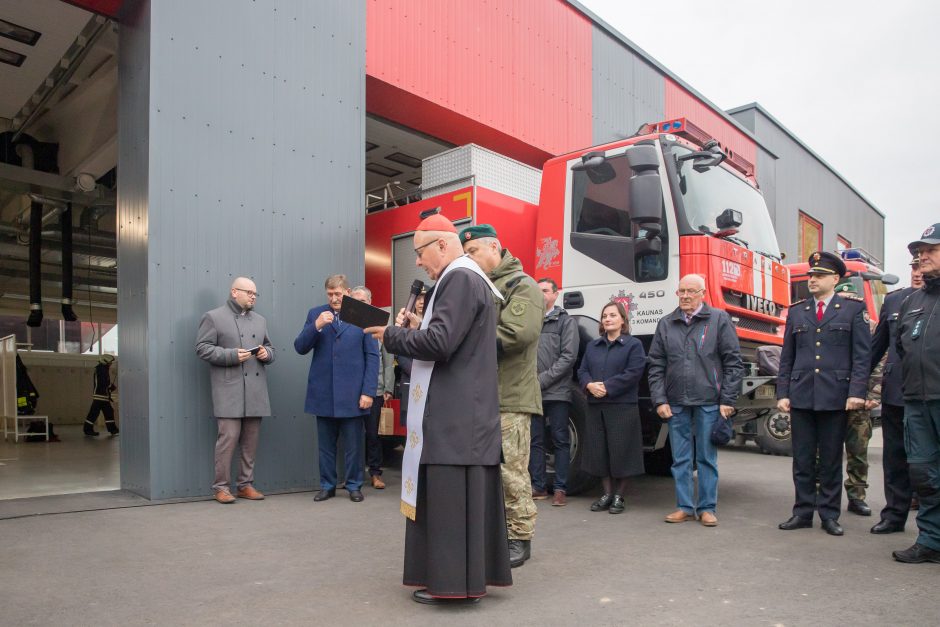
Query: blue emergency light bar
[857, 254]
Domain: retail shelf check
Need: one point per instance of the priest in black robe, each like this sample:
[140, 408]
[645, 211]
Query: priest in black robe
[457, 544]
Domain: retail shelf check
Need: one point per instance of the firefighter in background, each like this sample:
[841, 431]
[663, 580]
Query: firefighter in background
[101, 398]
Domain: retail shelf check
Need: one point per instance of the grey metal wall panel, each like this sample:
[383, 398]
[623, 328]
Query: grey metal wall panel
[257, 131]
[767, 180]
[626, 90]
[804, 184]
[133, 163]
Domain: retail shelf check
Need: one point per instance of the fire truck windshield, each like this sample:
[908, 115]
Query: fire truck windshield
[706, 194]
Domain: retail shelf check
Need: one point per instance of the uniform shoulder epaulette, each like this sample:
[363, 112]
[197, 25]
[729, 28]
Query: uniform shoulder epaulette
[799, 302]
[853, 297]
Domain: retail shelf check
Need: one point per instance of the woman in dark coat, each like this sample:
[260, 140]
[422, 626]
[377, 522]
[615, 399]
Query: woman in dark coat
[610, 374]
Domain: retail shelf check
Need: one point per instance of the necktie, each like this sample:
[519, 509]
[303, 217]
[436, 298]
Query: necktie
[819, 311]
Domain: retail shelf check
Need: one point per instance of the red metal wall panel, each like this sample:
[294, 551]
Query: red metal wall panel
[519, 67]
[680, 103]
[104, 7]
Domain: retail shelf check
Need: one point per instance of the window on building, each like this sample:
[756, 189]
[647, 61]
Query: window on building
[842, 244]
[811, 236]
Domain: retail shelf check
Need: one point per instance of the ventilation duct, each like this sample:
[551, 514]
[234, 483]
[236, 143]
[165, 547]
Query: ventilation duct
[65, 220]
[35, 265]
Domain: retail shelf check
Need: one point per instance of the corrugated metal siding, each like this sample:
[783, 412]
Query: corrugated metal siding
[626, 91]
[522, 67]
[133, 163]
[257, 129]
[680, 103]
[804, 184]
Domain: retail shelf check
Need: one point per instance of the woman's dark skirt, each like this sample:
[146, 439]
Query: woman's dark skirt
[458, 544]
[613, 441]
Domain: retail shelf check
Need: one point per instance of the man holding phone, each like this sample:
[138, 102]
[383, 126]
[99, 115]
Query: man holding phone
[234, 340]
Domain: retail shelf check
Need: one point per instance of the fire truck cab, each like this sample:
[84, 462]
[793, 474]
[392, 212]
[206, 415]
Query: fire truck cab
[622, 221]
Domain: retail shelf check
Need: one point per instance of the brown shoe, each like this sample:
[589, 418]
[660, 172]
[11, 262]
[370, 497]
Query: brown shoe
[249, 492]
[678, 516]
[224, 497]
[377, 482]
[708, 519]
[559, 499]
[539, 495]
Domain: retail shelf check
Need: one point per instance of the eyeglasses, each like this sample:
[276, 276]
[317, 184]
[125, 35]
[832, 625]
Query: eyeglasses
[249, 292]
[688, 292]
[419, 250]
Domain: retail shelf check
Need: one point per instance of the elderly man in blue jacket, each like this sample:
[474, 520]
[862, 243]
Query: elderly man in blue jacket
[340, 387]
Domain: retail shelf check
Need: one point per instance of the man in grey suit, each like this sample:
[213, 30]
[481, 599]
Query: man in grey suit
[234, 340]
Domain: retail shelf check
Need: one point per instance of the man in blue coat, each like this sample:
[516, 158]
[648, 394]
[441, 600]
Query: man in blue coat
[824, 367]
[340, 387]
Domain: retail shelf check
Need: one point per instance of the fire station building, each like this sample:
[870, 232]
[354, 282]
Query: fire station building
[196, 141]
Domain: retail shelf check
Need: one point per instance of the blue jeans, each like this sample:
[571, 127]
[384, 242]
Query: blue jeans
[922, 443]
[688, 424]
[557, 414]
[329, 430]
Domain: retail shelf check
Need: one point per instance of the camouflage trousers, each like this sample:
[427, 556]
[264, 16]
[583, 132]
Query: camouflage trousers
[517, 485]
[857, 436]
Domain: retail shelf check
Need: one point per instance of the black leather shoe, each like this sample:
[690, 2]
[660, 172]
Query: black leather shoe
[91, 433]
[917, 554]
[323, 495]
[422, 596]
[519, 552]
[602, 503]
[795, 522]
[860, 507]
[356, 496]
[886, 526]
[832, 527]
[616, 506]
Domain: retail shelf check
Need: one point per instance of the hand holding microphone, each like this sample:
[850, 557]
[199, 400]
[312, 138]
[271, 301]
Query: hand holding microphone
[407, 314]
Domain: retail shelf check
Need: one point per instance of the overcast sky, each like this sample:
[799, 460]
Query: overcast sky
[858, 82]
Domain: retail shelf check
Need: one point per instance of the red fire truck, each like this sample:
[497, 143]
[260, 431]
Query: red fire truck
[621, 221]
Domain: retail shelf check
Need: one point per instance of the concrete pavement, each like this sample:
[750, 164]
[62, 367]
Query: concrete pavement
[288, 560]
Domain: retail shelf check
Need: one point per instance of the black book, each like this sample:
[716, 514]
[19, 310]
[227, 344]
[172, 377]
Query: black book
[362, 315]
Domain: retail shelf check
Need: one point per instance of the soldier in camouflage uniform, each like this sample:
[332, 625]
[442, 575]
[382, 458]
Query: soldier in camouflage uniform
[520, 396]
[858, 434]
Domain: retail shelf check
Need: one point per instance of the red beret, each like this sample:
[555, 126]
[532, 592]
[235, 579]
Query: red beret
[437, 222]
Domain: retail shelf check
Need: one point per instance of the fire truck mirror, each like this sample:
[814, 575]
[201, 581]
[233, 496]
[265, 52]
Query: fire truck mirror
[643, 158]
[648, 247]
[646, 198]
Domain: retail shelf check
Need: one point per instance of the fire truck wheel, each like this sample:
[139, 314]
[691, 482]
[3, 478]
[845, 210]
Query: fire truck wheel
[578, 480]
[773, 434]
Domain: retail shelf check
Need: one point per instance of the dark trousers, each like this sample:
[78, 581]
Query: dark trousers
[922, 443]
[98, 406]
[556, 413]
[898, 490]
[822, 431]
[373, 443]
[329, 430]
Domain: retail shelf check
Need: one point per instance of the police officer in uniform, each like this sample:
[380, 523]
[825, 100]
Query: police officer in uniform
[898, 491]
[824, 369]
[918, 346]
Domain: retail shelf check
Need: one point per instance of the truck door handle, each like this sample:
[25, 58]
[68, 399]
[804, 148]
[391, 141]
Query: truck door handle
[573, 300]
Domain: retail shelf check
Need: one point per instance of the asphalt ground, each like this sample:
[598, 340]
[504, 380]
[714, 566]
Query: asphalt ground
[289, 561]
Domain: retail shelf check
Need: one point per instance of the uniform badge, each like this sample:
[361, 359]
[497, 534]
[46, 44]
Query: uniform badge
[816, 257]
[928, 232]
[467, 236]
[517, 308]
[865, 316]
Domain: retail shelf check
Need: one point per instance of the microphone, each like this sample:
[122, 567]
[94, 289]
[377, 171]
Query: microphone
[413, 294]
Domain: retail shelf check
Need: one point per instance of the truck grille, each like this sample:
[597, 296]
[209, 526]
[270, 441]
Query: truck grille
[754, 325]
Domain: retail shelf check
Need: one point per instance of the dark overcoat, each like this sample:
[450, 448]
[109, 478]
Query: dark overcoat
[344, 366]
[461, 415]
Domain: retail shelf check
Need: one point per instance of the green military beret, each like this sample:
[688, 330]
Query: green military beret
[846, 288]
[477, 231]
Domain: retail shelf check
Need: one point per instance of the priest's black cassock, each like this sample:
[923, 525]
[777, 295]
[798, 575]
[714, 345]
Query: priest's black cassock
[458, 544]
